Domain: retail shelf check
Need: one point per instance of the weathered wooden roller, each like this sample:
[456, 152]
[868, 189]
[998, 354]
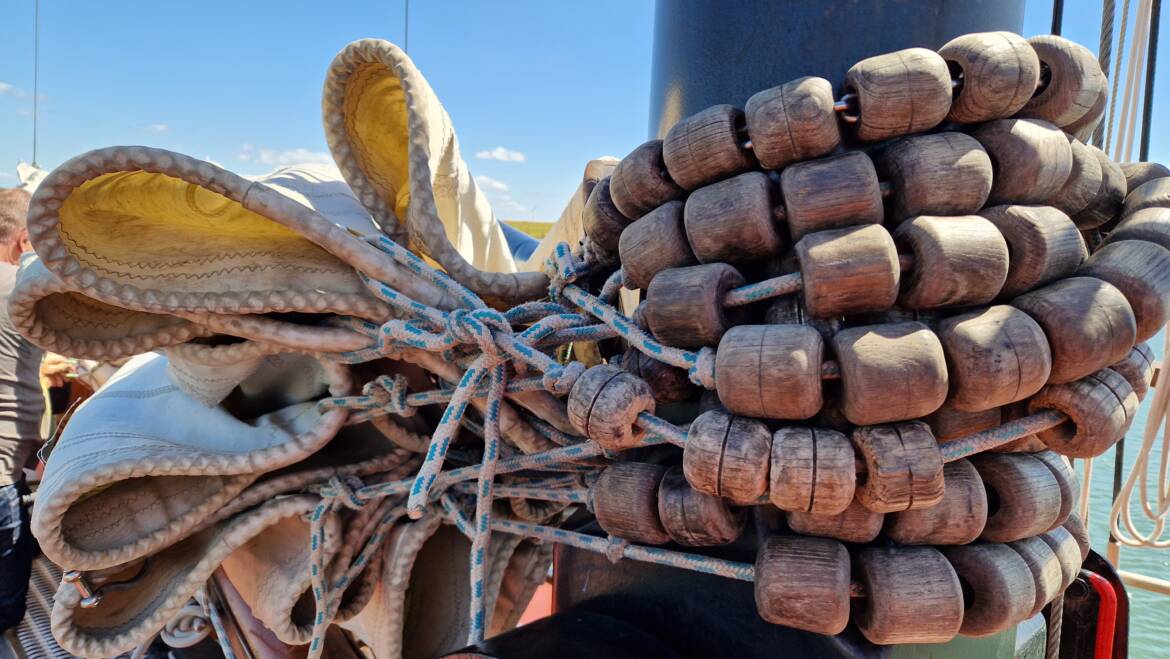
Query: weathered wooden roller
[668, 384]
[958, 261]
[1105, 208]
[707, 146]
[731, 221]
[1023, 497]
[654, 243]
[812, 471]
[1151, 194]
[903, 467]
[803, 583]
[1141, 271]
[696, 519]
[997, 586]
[640, 182]
[1137, 368]
[728, 456]
[948, 423]
[770, 371]
[1068, 553]
[912, 596]
[890, 372]
[604, 402]
[999, 73]
[793, 122]
[1031, 159]
[942, 174]
[1073, 83]
[1083, 128]
[625, 502]
[995, 356]
[685, 306]
[957, 519]
[1083, 183]
[1140, 173]
[1043, 242]
[1045, 568]
[1076, 527]
[1100, 408]
[1066, 479]
[1149, 224]
[1088, 322]
[898, 93]
[846, 271]
[856, 523]
[601, 219]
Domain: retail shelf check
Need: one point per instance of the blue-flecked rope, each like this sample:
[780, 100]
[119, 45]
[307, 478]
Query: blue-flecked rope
[483, 505]
[212, 611]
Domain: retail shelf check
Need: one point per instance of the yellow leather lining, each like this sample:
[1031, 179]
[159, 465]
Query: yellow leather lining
[376, 122]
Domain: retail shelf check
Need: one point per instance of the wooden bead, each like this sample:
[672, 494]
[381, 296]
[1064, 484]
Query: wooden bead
[1066, 478]
[706, 147]
[1031, 159]
[995, 356]
[1088, 322]
[1084, 180]
[1140, 173]
[1023, 497]
[1068, 554]
[693, 518]
[770, 371]
[957, 519]
[854, 524]
[1141, 271]
[803, 583]
[1100, 407]
[1074, 79]
[1149, 224]
[831, 193]
[848, 271]
[904, 468]
[1083, 128]
[948, 423]
[604, 403]
[958, 261]
[941, 174]
[998, 584]
[912, 596]
[1076, 527]
[625, 502]
[813, 471]
[640, 182]
[602, 221]
[1107, 205]
[890, 372]
[668, 384]
[728, 456]
[731, 221]
[1152, 194]
[903, 92]
[999, 74]
[655, 243]
[1043, 243]
[684, 306]
[791, 122]
[1045, 568]
[1137, 368]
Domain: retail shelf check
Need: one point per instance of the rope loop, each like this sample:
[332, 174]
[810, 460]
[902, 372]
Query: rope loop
[703, 372]
[389, 393]
[560, 379]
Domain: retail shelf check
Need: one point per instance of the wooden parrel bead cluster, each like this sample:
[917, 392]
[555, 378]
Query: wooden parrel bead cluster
[975, 264]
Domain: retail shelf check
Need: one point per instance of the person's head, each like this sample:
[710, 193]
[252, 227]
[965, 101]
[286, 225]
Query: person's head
[13, 230]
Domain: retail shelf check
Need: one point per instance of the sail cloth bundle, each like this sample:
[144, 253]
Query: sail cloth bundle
[206, 456]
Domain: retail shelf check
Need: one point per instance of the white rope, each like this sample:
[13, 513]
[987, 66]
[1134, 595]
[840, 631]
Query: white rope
[1121, 515]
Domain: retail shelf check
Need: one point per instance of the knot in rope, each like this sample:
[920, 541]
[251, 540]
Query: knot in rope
[343, 491]
[389, 393]
[562, 269]
[615, 550]
[476, 326]
[560, 379]
[703, 372]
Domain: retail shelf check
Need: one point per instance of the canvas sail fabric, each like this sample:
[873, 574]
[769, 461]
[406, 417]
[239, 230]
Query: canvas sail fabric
[394, 143]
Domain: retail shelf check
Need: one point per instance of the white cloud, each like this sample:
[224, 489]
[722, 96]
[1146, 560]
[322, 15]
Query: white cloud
[501, 153]
[10, 90]
[298, 156]
[489, 183]
[157, 128]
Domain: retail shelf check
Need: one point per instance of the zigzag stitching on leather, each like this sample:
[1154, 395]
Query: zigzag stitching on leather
[210, 501]
[78, 319]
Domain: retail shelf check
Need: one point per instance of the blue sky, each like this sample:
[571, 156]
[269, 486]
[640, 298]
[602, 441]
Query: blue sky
[237, 83]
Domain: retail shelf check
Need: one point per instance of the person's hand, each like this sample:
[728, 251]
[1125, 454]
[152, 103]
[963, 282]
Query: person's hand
[56, 370]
